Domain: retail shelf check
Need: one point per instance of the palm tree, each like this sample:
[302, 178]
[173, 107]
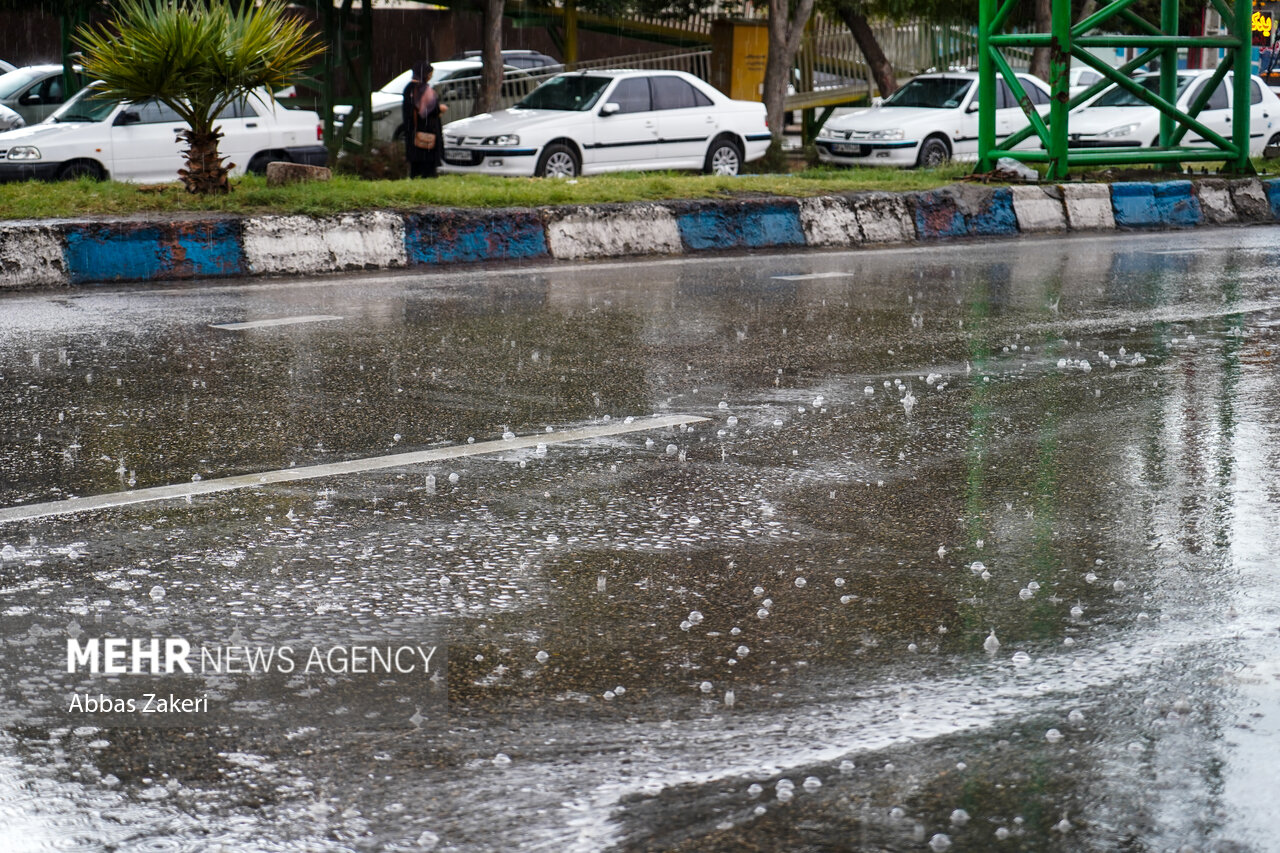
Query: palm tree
[197, 57]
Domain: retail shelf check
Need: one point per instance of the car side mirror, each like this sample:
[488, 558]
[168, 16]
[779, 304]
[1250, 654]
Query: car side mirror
[609, 109]
[973, 107]
[29, 99]
[128, 117]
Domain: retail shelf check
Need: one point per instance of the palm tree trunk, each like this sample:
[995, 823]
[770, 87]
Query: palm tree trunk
[1044, 23]
[205, 173]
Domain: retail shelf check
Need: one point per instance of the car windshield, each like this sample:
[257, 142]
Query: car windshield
[88, 105]
[15, 81]
[939, 93]
[566, 92]
[1117, 97]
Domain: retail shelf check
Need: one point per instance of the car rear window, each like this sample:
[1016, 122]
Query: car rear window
[672, 93]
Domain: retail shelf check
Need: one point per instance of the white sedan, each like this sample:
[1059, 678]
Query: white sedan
[933, 118]
[607, 121]
[1119, 119]
[95, 136]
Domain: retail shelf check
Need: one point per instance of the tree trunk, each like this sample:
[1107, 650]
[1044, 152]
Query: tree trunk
[1044, 24]
[881, 67]
[205, 173]
[487, 100]
[785, 32]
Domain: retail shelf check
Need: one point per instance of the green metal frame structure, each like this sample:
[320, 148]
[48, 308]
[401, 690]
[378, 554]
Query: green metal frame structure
[1069, 41]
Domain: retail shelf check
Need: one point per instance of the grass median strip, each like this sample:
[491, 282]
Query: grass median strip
[344, 194]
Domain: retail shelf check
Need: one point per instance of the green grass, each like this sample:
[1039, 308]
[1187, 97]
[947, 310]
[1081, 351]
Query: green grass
[251, 195]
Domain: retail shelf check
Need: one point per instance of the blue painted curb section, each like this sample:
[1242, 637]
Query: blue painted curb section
[59, 253]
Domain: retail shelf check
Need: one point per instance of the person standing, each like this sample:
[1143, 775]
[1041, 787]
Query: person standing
[423, 128]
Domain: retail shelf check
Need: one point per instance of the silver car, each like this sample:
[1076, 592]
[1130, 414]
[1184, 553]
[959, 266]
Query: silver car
[9, 120]
[33, 92]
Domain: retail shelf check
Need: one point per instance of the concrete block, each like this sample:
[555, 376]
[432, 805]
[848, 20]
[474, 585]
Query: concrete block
[305, 244]
[1272, 189]
[938, 217]
[1215, 200]
[1039, 208]
[1250, 199]
[884, 217]
[463, 236]
[988, 212]
[753, 224]
[1088, 206]
[613, 231]
[280, 173]
[965, 211]
[31, 256]
[1134, 205]
[148, 251]
[1176, 204]
[829, 221]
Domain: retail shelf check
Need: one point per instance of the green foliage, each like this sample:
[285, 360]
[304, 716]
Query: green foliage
[35, 200]
[934, 11]
[195, 57]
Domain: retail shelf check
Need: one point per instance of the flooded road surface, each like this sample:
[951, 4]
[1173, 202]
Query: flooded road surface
[967, 547]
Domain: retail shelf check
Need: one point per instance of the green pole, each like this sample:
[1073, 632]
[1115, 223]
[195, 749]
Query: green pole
[1241, 73]
[1168, 67]
[986, 86]
[1059, 83]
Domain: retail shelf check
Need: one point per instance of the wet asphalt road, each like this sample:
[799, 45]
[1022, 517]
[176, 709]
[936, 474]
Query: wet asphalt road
[975, 549]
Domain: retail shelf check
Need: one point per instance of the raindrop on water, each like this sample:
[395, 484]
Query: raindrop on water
[991, 644]
[959, 817]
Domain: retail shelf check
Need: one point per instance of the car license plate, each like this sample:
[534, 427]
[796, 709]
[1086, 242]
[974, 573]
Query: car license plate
[457, 155]
[844, 148]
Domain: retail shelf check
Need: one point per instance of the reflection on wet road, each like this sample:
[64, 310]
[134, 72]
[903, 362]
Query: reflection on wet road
[975, 551]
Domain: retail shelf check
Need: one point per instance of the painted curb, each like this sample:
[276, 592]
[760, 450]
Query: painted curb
[61, 253]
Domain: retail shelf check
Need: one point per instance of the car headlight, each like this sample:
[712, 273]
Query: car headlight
[1122, 130]
[24, 152]
[894, 133]
[828, 133]
[502, 139]
[381, 114]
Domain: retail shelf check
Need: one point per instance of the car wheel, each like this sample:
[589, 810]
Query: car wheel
[558, 161]
[77, 169]
[1274, 140]
[934, 152]
[259, 161]
[723, 158]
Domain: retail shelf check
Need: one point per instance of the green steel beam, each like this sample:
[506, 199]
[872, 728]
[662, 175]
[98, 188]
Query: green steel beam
[1067, 42]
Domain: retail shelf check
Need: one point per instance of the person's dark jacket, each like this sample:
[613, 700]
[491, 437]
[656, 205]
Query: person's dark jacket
[413, 123]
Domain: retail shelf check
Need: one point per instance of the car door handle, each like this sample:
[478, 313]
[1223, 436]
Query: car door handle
[251, 124]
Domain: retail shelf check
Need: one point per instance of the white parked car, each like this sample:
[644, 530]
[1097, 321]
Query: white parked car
[33, 92]
[9, 120]
[607, 121]
[1119, 119]
[103, 138]
[456, 82]
[933, 118]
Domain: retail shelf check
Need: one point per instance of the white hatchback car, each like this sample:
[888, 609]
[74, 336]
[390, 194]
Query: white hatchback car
[103, 138]
[607, 121]
[1119, 119]
[933, 118]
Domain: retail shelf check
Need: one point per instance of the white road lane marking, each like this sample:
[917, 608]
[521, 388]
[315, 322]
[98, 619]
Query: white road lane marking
[351, 466]
[278, 321]
[812, 275]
